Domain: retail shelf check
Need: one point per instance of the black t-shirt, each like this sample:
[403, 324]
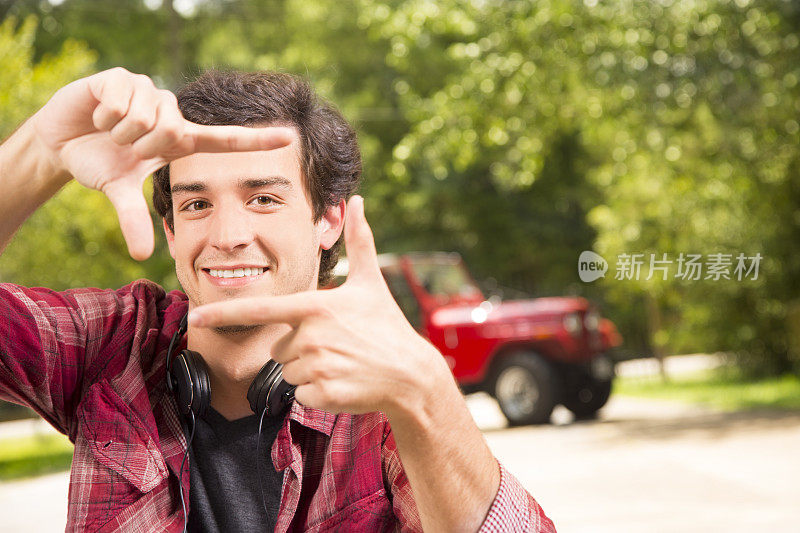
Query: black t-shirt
[224, 491]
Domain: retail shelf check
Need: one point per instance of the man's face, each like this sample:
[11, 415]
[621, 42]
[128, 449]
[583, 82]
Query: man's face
[244, 226]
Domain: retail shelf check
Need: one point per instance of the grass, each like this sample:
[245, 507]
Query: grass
[23, 457]
[723, 388]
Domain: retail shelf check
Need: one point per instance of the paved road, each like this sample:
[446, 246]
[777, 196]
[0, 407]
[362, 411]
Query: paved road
[644, 466]
[648, 466]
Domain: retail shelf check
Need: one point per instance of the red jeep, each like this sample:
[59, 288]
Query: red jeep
[529, 354]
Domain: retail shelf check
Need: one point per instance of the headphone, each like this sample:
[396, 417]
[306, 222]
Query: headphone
[188, 382]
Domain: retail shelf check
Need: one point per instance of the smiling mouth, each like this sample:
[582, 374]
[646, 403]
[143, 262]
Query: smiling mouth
[250, 272]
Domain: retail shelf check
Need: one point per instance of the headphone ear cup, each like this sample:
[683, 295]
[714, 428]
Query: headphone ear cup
[257, 393]
[191, 383]
[203, 384]
[182, 383]
[280, 394]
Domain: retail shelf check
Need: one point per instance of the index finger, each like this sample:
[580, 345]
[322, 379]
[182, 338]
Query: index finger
[236, 138]
[289, 309]
[134, 216]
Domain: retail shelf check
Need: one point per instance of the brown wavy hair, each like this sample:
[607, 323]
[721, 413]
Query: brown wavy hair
[330, 159]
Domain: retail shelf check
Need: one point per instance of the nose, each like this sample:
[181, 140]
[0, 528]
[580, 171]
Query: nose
[230, 229]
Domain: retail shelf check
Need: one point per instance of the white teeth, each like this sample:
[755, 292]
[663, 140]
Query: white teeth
[236, 272]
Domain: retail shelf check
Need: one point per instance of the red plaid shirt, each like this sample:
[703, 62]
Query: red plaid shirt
[91, 362]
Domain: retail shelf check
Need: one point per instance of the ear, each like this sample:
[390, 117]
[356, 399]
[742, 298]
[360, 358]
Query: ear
[331, 225]
[170, 238]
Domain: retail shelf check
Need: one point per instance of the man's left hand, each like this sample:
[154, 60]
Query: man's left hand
[350, 348]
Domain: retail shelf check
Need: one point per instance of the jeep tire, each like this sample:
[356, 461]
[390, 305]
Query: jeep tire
[586, 399]
[527, 388]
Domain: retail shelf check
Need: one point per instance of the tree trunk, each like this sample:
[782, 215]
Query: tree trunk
[653, 327]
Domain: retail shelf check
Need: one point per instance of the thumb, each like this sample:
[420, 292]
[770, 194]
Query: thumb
[359, 242]
[134, 216]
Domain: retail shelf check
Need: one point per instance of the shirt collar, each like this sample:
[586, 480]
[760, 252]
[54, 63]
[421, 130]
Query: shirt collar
[312, 418]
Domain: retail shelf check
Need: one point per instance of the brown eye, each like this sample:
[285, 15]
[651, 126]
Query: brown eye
[263, 200]
[197, 205]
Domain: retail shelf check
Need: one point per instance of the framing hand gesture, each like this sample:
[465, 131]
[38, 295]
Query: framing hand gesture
[350, 348]
[113, 129]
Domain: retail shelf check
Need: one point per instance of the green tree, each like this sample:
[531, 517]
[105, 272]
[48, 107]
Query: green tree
[124, 33]
[684, 116]
[74, 239]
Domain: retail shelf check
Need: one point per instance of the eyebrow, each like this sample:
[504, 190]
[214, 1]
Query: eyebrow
[247, 183]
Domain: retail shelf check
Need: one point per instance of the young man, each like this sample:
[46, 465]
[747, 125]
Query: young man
[253, 190]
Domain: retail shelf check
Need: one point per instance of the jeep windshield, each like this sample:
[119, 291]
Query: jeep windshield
[446, 279]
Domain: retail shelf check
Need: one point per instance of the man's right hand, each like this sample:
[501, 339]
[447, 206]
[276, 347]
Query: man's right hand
[113, 129]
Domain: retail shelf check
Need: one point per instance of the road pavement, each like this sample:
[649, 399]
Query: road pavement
[642, 466]
[647, 466]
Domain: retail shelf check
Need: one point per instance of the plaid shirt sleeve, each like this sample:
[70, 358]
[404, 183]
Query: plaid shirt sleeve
[403, 504]
[513, 509]
[54, 345]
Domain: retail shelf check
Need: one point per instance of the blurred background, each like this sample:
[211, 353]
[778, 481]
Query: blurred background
[518, 134]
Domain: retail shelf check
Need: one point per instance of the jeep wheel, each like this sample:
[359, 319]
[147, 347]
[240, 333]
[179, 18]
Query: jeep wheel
[585, 400]
[527, 388]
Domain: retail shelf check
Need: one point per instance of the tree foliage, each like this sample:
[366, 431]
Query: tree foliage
[74, 239]
[680, 123]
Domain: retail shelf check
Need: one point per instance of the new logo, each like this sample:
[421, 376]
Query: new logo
[591, 266]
